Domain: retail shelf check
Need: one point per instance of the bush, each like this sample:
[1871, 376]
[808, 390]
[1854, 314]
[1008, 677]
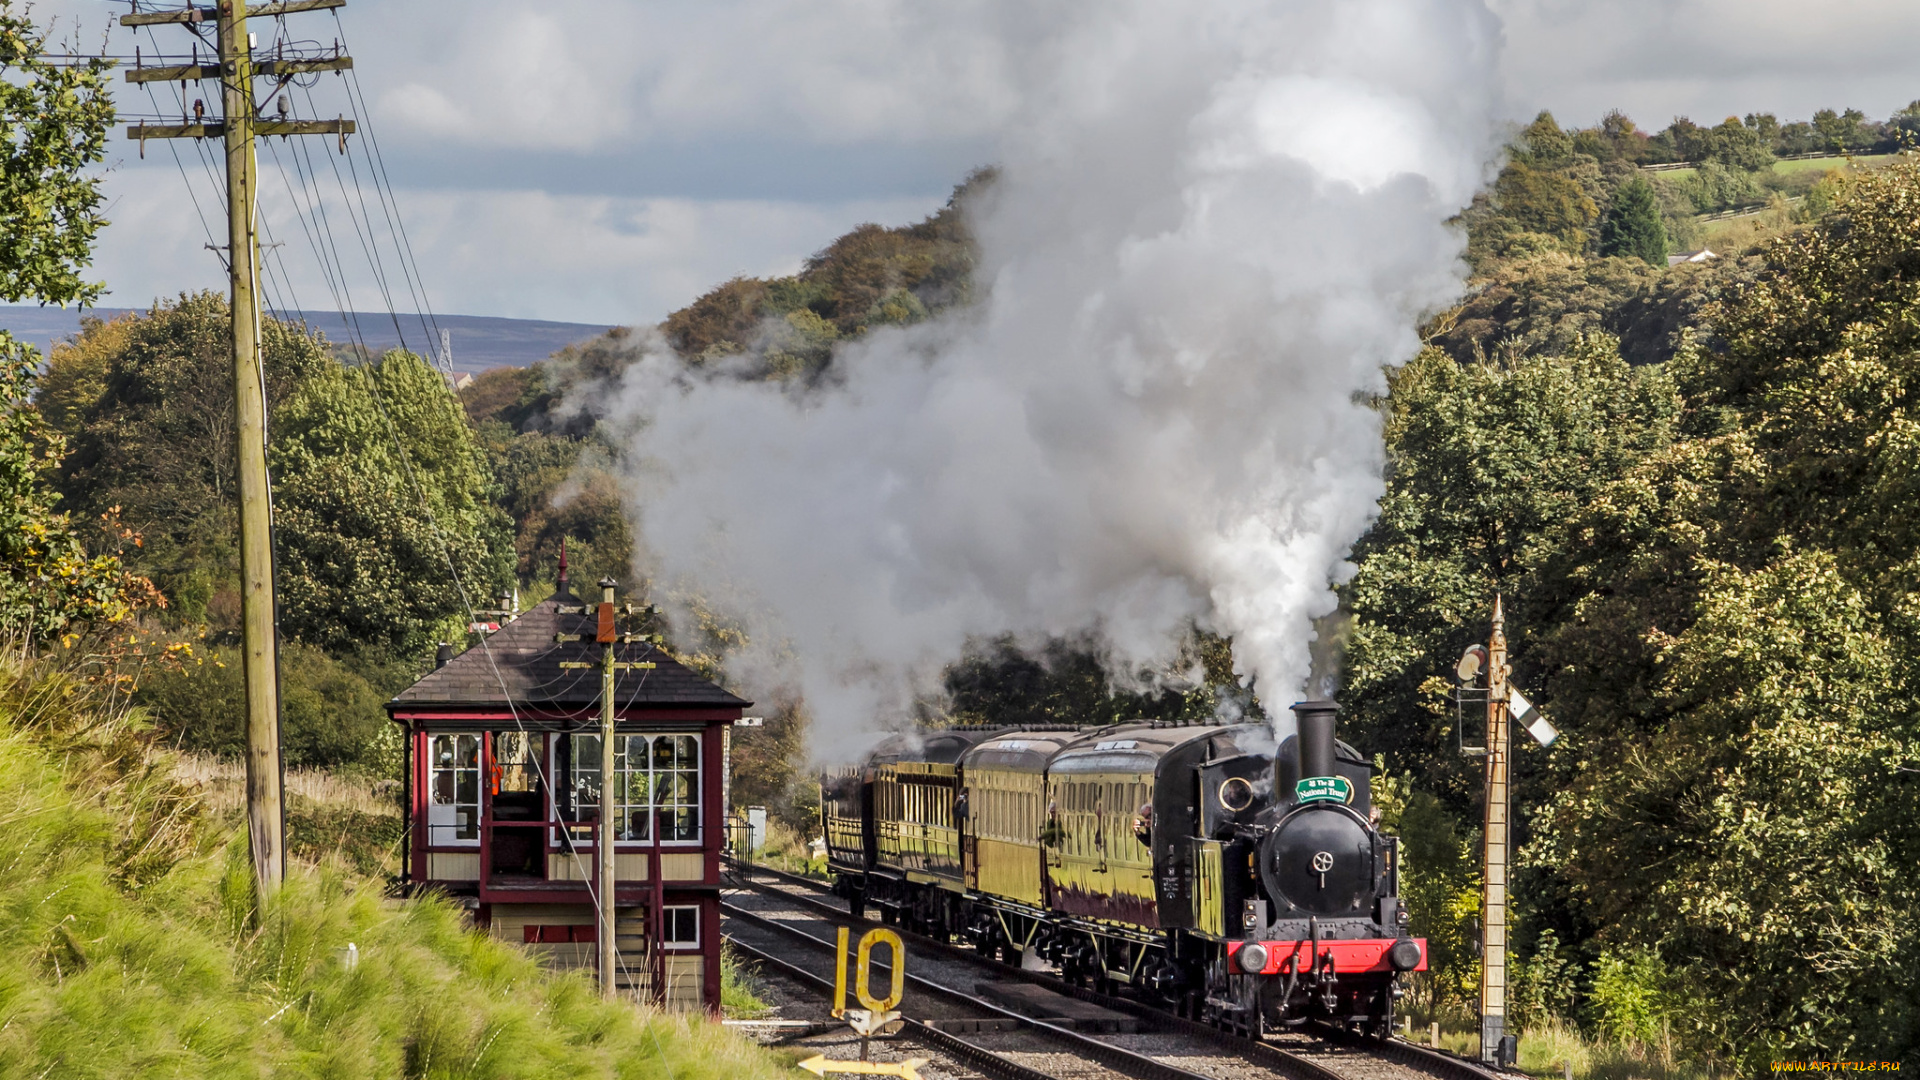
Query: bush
[330, 713]
[1628, 997]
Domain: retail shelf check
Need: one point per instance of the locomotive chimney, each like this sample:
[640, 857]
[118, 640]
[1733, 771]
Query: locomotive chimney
[1314, 720]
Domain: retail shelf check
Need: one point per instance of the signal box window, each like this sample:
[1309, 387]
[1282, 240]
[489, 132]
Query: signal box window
[453, 778]
[655, 777]
[680, 927]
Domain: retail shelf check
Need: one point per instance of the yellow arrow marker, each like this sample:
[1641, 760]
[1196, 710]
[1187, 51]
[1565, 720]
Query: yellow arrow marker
[819, 1065]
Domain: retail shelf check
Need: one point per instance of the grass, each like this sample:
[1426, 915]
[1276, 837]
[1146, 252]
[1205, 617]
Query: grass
[739, 998]
[330, 815]
[1867, 161]
[786, 849]
[131, 944]
[1547, 1049]
[223, 782]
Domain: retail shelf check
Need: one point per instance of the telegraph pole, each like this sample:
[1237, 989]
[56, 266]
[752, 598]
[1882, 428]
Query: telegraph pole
[235, 71]
[604, 858]
[1493, 898]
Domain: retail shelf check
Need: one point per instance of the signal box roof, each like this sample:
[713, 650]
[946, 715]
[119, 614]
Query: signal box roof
[518, 668]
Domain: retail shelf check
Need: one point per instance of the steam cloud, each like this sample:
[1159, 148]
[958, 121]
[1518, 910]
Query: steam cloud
[1213, 226]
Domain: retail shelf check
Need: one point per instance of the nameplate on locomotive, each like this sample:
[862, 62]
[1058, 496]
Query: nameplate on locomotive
[1323, 789]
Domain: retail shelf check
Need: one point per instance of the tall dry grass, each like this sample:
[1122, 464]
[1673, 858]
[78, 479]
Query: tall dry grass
[223, 784]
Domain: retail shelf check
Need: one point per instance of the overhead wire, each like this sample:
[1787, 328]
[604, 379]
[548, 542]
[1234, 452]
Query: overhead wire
[316, 227]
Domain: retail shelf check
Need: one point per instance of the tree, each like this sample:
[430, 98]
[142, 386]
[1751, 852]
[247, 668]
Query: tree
[1842, 131]
[1488, 463]
[148, 403]
[1764, 125]
[54, 118]
[1737, 146]
[50, 585]
[1633, 227]
[53, 124]
[382, 496]
[1546, 202]
[1543, 144]
[1740, 660]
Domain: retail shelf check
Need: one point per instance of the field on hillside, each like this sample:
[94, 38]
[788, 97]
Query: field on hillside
[1786, 168]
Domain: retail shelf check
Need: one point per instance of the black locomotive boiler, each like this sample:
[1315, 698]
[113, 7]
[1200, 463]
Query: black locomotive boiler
[1204, 867]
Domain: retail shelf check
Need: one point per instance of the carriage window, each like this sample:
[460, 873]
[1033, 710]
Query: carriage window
[453, 817]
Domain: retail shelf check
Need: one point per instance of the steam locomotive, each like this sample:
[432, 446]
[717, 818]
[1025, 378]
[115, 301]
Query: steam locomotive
[1233, 880]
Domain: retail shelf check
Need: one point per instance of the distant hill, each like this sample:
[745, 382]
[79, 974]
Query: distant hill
[480, 342]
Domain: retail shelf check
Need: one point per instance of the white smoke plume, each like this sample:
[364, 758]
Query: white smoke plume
[1214, 223]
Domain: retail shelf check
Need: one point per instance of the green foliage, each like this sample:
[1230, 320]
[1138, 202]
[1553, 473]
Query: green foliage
[330, 712]
[1740, 148]
[1545, 983]
[1550, 203]
[54, 117]
[50, 585]
[1710, 567]
[1633, 228]
[739, 998]
[1628, 998]
[1841, 131]
[1440, 886]
[1713, 188]
[53, 123]
[870, 277]
[127, 948]
[382, 492]
[1490, 462]
[148, 404]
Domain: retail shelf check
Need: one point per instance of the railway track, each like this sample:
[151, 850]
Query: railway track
[1324, 1054]
[943, 1009]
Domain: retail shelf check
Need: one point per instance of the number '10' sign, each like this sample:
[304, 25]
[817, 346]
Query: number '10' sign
[862, 984]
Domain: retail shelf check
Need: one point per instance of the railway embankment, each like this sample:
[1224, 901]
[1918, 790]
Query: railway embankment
[130, 946]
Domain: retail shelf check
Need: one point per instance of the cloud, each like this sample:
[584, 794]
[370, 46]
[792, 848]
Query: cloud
[835, 111]
[1708, 59]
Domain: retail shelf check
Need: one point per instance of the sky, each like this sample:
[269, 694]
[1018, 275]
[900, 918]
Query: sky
[606, 161]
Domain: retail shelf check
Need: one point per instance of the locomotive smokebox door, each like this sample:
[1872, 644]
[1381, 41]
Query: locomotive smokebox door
[1320, 860]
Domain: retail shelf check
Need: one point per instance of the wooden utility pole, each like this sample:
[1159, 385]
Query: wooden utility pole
[1493, 940]
[260, 656]
[605, 859]
[235, 71]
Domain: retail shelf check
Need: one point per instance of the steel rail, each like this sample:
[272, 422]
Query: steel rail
[1425, 1058]
[1433, 1062]
[1113, 1057]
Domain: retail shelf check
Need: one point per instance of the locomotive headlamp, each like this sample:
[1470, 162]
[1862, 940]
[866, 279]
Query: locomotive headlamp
[1253, 958]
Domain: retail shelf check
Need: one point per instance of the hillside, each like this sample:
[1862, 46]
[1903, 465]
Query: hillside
[130, 949]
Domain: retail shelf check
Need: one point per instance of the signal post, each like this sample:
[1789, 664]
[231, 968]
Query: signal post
[1493, 898]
